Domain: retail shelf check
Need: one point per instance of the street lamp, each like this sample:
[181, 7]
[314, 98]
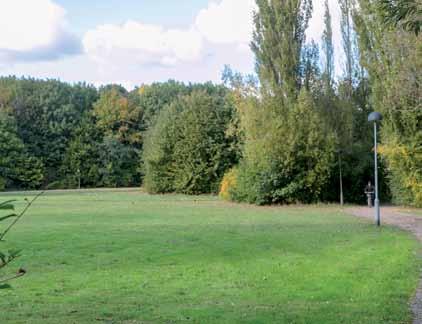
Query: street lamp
[376, 117]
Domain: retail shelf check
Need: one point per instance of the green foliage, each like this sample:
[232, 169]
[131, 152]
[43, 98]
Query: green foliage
[81, 160]
[65, 128]
[158, 152]
[328, 49]
[393, 59]
[188, 150]
[288, 147]
[17, 168]
[347, 40]
[153, 98]
[278, 39]
[403, 13]
[116, 116]
[118, 164]
[405, 170]
[310, 68]
[287, 154]
[46, 115]
[118, 119]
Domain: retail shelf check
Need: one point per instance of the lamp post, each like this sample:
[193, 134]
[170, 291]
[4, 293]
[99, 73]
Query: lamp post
[78, 173]
[341, 177]
[376, 117]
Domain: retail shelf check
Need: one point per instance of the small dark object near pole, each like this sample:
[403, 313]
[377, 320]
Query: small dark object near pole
[376, 117]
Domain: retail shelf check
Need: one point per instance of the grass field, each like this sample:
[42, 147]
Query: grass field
[126, 257]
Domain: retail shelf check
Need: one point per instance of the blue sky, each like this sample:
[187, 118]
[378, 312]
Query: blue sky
[84, 15]
[132, 42]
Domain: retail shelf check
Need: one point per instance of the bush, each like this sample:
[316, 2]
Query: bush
[404, 163]
[188, 150]
[228, 185]
[158, 152]
[288, 153]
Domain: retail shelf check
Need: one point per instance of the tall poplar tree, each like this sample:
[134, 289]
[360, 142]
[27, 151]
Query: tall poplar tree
[347, 38]
[278, 40]
[287, 149]
[328, 48]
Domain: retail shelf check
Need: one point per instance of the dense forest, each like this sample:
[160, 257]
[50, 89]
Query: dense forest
[280, 137]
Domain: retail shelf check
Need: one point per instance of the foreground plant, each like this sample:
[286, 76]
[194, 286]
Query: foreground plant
[7, 257]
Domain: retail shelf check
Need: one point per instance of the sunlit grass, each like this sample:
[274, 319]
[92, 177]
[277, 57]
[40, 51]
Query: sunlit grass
[126, 257]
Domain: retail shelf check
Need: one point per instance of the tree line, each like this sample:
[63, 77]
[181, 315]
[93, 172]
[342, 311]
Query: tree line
[56, 135]
[281, 137]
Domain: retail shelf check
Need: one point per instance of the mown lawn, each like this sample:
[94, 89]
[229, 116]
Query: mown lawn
[126, 257]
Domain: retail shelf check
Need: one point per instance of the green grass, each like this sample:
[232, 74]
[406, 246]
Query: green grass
[126, 257]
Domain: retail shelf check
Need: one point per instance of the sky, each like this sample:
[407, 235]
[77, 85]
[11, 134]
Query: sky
[134, 42]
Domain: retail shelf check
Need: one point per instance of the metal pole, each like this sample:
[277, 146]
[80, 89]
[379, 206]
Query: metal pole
[377, 201]
[341, 182]
[79, 179]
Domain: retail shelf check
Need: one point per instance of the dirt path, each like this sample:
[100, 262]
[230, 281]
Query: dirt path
[408, 222]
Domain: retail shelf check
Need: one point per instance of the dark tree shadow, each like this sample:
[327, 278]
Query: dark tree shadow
[5, 286]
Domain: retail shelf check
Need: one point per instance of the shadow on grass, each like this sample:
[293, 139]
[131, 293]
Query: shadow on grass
[5, 286]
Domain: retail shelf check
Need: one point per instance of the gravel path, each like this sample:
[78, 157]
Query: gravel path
[408, 222]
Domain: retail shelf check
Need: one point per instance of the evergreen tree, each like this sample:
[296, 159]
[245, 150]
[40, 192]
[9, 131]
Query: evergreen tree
[188, 150]
[81, 163]
[18, 170]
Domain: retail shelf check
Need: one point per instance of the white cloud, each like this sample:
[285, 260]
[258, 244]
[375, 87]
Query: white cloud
[135, 52]
[34, 30]
[127, 84]
[227, 21]
[316, 24]
[142, 44]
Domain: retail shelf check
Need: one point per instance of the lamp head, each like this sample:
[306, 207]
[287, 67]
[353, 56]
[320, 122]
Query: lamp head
[374, 117]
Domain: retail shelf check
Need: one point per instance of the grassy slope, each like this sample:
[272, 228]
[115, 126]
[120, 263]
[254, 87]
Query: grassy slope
[128, 258]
